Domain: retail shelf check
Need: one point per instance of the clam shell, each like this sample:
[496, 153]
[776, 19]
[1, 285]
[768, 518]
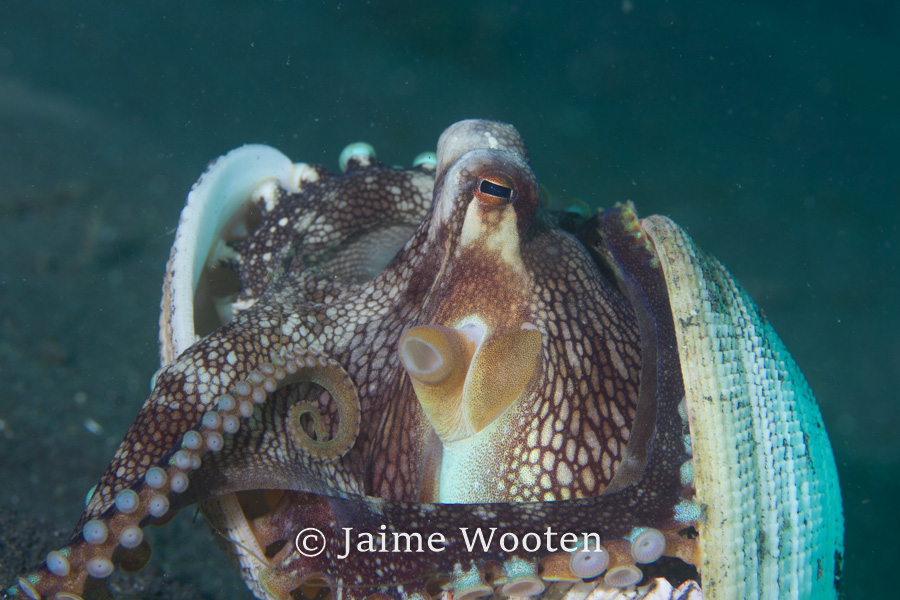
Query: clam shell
[214, 205]
[763, 466]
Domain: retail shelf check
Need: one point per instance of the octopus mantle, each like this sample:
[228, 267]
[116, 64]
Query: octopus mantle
[420, 382]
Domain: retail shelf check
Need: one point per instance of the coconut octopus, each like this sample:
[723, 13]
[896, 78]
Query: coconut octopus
[405, 383]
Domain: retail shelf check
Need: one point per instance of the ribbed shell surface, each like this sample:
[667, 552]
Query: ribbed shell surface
[764, 469]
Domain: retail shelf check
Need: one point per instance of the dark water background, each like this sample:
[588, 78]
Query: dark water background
[767, 129]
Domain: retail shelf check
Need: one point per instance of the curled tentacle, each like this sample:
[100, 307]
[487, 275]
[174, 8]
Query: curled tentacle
[115, 536]
[329, 374]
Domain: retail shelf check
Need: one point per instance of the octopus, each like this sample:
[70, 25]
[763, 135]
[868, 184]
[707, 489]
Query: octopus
[420, 383]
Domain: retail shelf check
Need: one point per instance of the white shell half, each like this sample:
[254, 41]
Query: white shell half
[224, 191]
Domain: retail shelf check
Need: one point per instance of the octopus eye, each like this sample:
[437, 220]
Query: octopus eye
[495, 190]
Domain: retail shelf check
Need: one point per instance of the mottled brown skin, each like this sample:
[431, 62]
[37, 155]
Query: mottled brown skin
[595, 297]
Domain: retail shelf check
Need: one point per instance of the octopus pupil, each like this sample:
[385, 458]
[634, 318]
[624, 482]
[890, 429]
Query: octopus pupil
[493, 189]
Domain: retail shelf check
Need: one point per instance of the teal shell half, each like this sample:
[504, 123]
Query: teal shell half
[764, 469]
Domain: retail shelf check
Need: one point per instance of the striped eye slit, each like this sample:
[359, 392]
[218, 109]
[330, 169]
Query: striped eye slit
[495, 190]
